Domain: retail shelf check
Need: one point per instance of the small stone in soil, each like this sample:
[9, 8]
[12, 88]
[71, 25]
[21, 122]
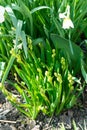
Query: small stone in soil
[37, 127]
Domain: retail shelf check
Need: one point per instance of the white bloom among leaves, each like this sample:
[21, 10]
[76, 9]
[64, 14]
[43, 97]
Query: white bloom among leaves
[67, 22]
[2, 11]
[62, 15]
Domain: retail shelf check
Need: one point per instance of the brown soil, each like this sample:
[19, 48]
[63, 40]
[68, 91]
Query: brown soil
[11, 119]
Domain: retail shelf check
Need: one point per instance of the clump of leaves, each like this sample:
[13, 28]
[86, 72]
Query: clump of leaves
[45, 82]
[43, 86]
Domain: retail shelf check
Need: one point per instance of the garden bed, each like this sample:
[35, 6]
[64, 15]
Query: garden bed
[43, 65]
[11, 119]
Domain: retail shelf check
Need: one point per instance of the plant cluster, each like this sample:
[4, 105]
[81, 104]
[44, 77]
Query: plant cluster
[44, 86]
[40, 48]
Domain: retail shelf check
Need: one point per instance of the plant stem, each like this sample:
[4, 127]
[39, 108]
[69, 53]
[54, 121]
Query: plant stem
[71, 48]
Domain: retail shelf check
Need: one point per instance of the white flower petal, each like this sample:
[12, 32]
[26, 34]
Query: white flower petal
[2, 10]
[67, 23]
[71, 24]
[62, 15]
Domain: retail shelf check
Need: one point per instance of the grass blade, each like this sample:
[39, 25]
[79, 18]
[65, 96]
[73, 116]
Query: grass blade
[39, 8]
[23, 36]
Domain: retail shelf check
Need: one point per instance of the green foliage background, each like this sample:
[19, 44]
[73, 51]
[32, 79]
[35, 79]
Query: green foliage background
[32, 45]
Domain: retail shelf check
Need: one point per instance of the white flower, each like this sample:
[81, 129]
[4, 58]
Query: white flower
[2, 11]
[62, 15]
[67, 22]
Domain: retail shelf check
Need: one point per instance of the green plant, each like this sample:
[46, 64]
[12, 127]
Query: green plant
[45, 79]
[47, 15]
[75, 127]
[40, 19]
[43, 86]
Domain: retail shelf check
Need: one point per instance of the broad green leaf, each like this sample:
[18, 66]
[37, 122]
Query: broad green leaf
[61, 43]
